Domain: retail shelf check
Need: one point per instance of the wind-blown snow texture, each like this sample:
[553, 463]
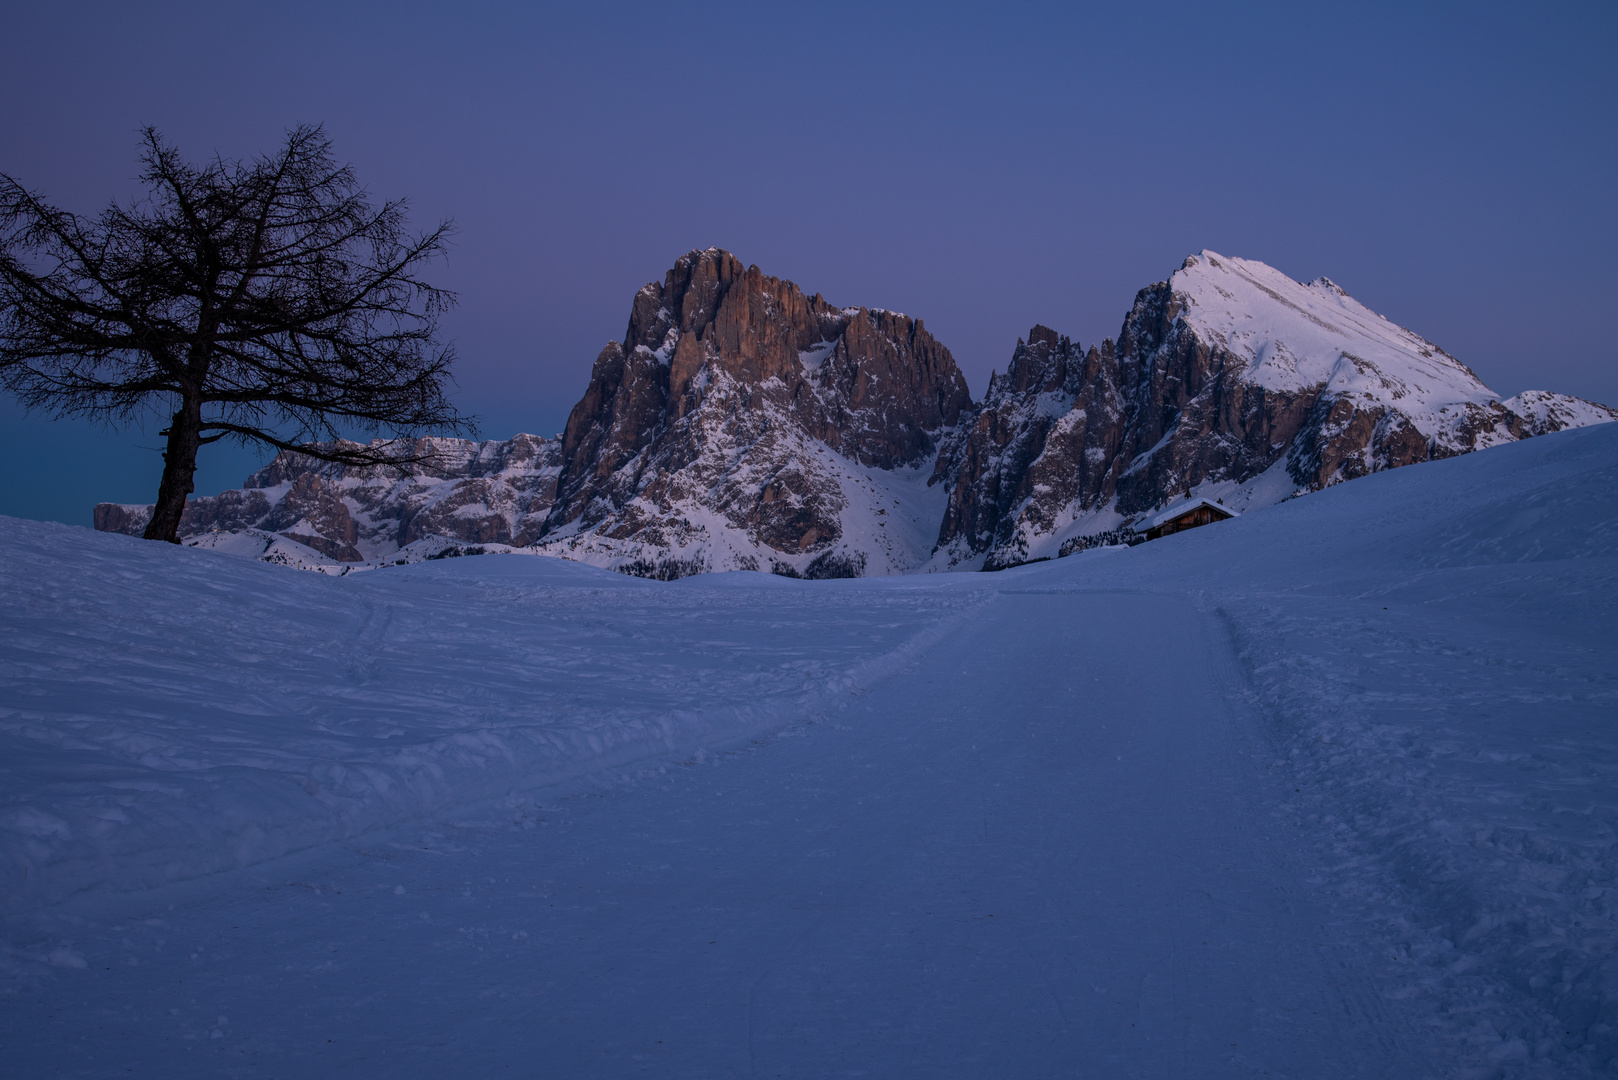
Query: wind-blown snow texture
[1327, 790]
[246, 713]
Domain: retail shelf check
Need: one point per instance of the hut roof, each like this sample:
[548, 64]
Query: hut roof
[1184, 506]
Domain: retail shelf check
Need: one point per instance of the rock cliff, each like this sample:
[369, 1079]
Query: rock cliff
[309, 512]
[1230, 381]
[741, 424]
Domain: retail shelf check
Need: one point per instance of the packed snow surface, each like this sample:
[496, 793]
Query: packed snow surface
[1327, 790]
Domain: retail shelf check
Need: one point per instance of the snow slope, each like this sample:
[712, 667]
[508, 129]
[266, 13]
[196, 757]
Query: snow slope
[173, 713]
[1297, 335]
[1432, 649]
[1327, 790]
[925, 884]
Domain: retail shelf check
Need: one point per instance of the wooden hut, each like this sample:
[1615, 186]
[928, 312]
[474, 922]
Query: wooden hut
[1183, 515]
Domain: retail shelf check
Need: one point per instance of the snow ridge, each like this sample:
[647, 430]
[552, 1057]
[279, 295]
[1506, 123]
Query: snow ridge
[1294, 336]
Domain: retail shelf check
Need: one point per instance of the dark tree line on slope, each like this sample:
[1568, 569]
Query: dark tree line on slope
[264, 301]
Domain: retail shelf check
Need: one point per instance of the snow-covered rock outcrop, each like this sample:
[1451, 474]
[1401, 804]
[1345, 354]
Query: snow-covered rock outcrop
[741, 425]
[1229, 380]
[744, 425]
[308, 513]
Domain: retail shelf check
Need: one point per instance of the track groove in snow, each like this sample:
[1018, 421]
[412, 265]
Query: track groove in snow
[255, 711]
[1331, 787]
[1001, 889]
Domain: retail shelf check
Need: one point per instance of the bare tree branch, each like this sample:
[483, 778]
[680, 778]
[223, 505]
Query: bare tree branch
[266, 301]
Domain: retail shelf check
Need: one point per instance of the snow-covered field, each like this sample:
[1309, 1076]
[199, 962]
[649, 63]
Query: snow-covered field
[170, 714]
[1328, 790]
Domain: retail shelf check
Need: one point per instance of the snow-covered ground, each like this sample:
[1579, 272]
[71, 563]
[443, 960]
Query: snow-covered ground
[1327, 790]
[174, 713]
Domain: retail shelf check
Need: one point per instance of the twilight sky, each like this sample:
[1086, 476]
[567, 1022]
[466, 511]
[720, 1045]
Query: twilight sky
[983, 167]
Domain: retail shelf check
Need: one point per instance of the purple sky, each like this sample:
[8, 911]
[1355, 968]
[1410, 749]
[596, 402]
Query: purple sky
[984, 167]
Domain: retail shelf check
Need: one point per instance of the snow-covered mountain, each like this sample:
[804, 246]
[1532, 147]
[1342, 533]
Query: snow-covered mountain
[1230, 381]
[312, 514]
[742, 424]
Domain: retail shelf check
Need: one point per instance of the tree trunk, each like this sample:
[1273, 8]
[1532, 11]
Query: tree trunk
[179, 471]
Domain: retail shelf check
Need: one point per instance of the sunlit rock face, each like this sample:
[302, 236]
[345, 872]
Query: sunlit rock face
[741, 424]
[1228, 380]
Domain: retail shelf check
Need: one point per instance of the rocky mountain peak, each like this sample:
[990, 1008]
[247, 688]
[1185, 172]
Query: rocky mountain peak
[746, 351]
[1038, 364]
[1228, 380]
[1293, 335]
[744, 424]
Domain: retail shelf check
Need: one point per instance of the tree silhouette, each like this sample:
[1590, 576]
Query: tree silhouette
[262, 301]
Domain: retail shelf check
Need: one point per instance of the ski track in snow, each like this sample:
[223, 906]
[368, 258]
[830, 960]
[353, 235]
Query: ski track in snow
[239, 717]
[1328, 790]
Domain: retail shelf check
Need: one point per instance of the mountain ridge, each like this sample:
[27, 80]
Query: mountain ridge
[742, 424]
[1227, 380]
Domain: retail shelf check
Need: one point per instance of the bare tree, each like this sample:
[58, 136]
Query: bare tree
[263, 301]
